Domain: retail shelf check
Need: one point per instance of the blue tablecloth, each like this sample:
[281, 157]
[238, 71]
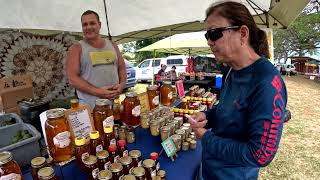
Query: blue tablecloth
[184, 167]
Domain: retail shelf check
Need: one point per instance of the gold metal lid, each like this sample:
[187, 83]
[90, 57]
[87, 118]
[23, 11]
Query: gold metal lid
[189, 140]
[148, 163]
[74, 101]
[55, 113]
[46, 173]
[138, 171]
[185, 144]
[103, 102]
[128, 177]
[180, 131]
[167, 82]
[165, 128]
[90, 160]
[176, 137]
[126, 160]
[156, 178]
[193, 142]
[152, 87]
[5, 157]
[105, 175]
[161, 173]
[134, 153]
[131, 94]
[102, 154]
[115, 167]
[38, 162]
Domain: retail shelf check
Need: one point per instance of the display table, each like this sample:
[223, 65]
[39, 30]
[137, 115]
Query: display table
[184, 167]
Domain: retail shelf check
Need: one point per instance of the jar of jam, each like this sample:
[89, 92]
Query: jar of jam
[103, 160]
[182, 134]
[154, 156]
[153, 96]
[162, 174]
[166, 93]
[36, 164]
[128, 177]
[9, 167]
[139, 173]
[164, 132]
[154, 128]
[108, 138]
[136, 158]
[92, 167]
[150, 168]
[116, 110]
[47, 173]
[116, 169]
[177, 141]
[81, 151]
[185, 146]
[102, 114]
[180, 121]
[123, 150]
[130, 136]
[126, 162]
[193, 144]
[95, 143]
[58, 135]
[145, 120]
[105, 175]
[113, 154]
[131, 109]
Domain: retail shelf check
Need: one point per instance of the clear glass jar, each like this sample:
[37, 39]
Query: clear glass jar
[105, 175]
[122, 133]
[185, 146]
[102, 114]
[139, 173]
[150, 168]
[182, 134]
[47, 173]
[144, 120]
[103, 160]
[193, 144]
[58, 135]
[177, 141]
[116, 169]
[153, 96]
[92, 167]
[128, 177]
[154, 128]
[180, 120]
[36, 164]
[136, 157]
[131, 109]
[166, 93]
[162, 174]
[130, 136]
[9, 167]
[126, 162]
[164, 132]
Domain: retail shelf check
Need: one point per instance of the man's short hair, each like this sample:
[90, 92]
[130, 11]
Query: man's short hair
[87, 12]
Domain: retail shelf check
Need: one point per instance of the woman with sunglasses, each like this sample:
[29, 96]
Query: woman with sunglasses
[242, 133]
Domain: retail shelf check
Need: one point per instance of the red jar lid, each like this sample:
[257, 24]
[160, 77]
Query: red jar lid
[121, 143]
[154, 155]
[112, 148]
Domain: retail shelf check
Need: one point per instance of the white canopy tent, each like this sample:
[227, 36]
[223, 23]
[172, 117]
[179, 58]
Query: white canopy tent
[136, 19]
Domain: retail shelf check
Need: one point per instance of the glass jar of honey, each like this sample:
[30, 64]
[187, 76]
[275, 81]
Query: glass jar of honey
[102, 114]
[177, 141]
[9, 167]
[92, 167]
[162, 174]
[116, 110]
[126, 162]
[145, 120]
[47, 173]
[116, 169]
[103, 160]
[108, 138]
[136, 158]
[58, 135]
[95, 143]
[139, 173]
[128, 177]
[131, 109]
[113, 154]
[36, 164]
[153, 96]
[154, 156]
[154, 128]
[105, 175]
[150, 168]
[81, 151]
[166, 93]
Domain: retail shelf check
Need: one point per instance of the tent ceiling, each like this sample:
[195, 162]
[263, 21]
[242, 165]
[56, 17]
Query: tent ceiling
[136, 19]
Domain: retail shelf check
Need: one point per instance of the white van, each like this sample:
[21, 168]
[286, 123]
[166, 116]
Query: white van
[147, 68]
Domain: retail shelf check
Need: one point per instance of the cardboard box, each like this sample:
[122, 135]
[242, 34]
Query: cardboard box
[14, 89]
[13, 110]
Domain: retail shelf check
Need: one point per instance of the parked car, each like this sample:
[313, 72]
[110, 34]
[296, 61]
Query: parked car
[131, 75]
[147, 68]
[284, 68]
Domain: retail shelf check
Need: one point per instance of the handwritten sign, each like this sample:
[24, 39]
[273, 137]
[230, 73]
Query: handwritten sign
[80, 122]
[180, 88]
[144, 102]
[169, 147]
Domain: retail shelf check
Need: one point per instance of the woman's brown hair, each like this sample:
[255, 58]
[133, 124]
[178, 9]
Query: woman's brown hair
[237, 14]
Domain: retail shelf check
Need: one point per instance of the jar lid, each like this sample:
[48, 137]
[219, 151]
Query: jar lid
[154, 155]
[105, 175]
[185, 144]
[193, 142]
[131, 94]
[121, 143]
[46, 173]
[112, 148]
[108, 129]
[148, 163]
[152, 87]
[94, 135]
[74, 101]
[167, 82]
[128, 177]
[165, 128]
[90, 160]
[80, 141]
[102, 154]
[186, 124]
[180, 131]
[126, 160]
[176, 137]
[115, 167]
[138, 171]
[178, 118]
[192, 133]
[37, 162]
[135, 153]
[5, 157]
[55, 113]
[161, 173]
[189, 140]
[103, 102]
[153, 122]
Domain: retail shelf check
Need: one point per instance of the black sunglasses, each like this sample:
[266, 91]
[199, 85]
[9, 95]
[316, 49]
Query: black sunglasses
[216, 33]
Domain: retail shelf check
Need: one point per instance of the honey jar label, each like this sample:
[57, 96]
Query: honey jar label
[106, 165]
[113, 142]
[12, 176]
[158, 166]
[84, 155]
[95, 173]
[170, 95]
[140, 163]
[125, 153]
[116, 159]
[99, 148]
[153, 173]
[136, 111]
[62, 139]
[109, 121]
[155, 100]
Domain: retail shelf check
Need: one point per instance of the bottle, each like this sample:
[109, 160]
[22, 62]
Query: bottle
[150, 168]
[58, 135]
[116, 169]
[9, 167]
[103, 160]
[123, 151]
[136, 158]
[113, 154]
[81, 151]
[154, 156]
[36, 164]
[153, 96]
[102, 114]
[92, 167]
[116, 110]
[105, 175]
[131, 109]
[108, 137]
[47, 173]
[166, 93]
[95, 143]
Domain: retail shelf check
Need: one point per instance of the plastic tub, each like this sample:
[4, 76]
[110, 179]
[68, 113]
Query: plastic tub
[7, 117]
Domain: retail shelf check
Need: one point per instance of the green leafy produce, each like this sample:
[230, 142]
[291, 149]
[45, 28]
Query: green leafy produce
[20, 136]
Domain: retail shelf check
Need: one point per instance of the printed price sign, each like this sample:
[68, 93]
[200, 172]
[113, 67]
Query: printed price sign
[144, 102]
[180, 88]
[169, 147]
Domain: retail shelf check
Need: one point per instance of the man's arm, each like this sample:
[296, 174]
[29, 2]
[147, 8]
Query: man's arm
[122, 71]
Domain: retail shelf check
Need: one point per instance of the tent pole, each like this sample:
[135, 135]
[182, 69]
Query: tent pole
[154, 57]
[105, 11]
